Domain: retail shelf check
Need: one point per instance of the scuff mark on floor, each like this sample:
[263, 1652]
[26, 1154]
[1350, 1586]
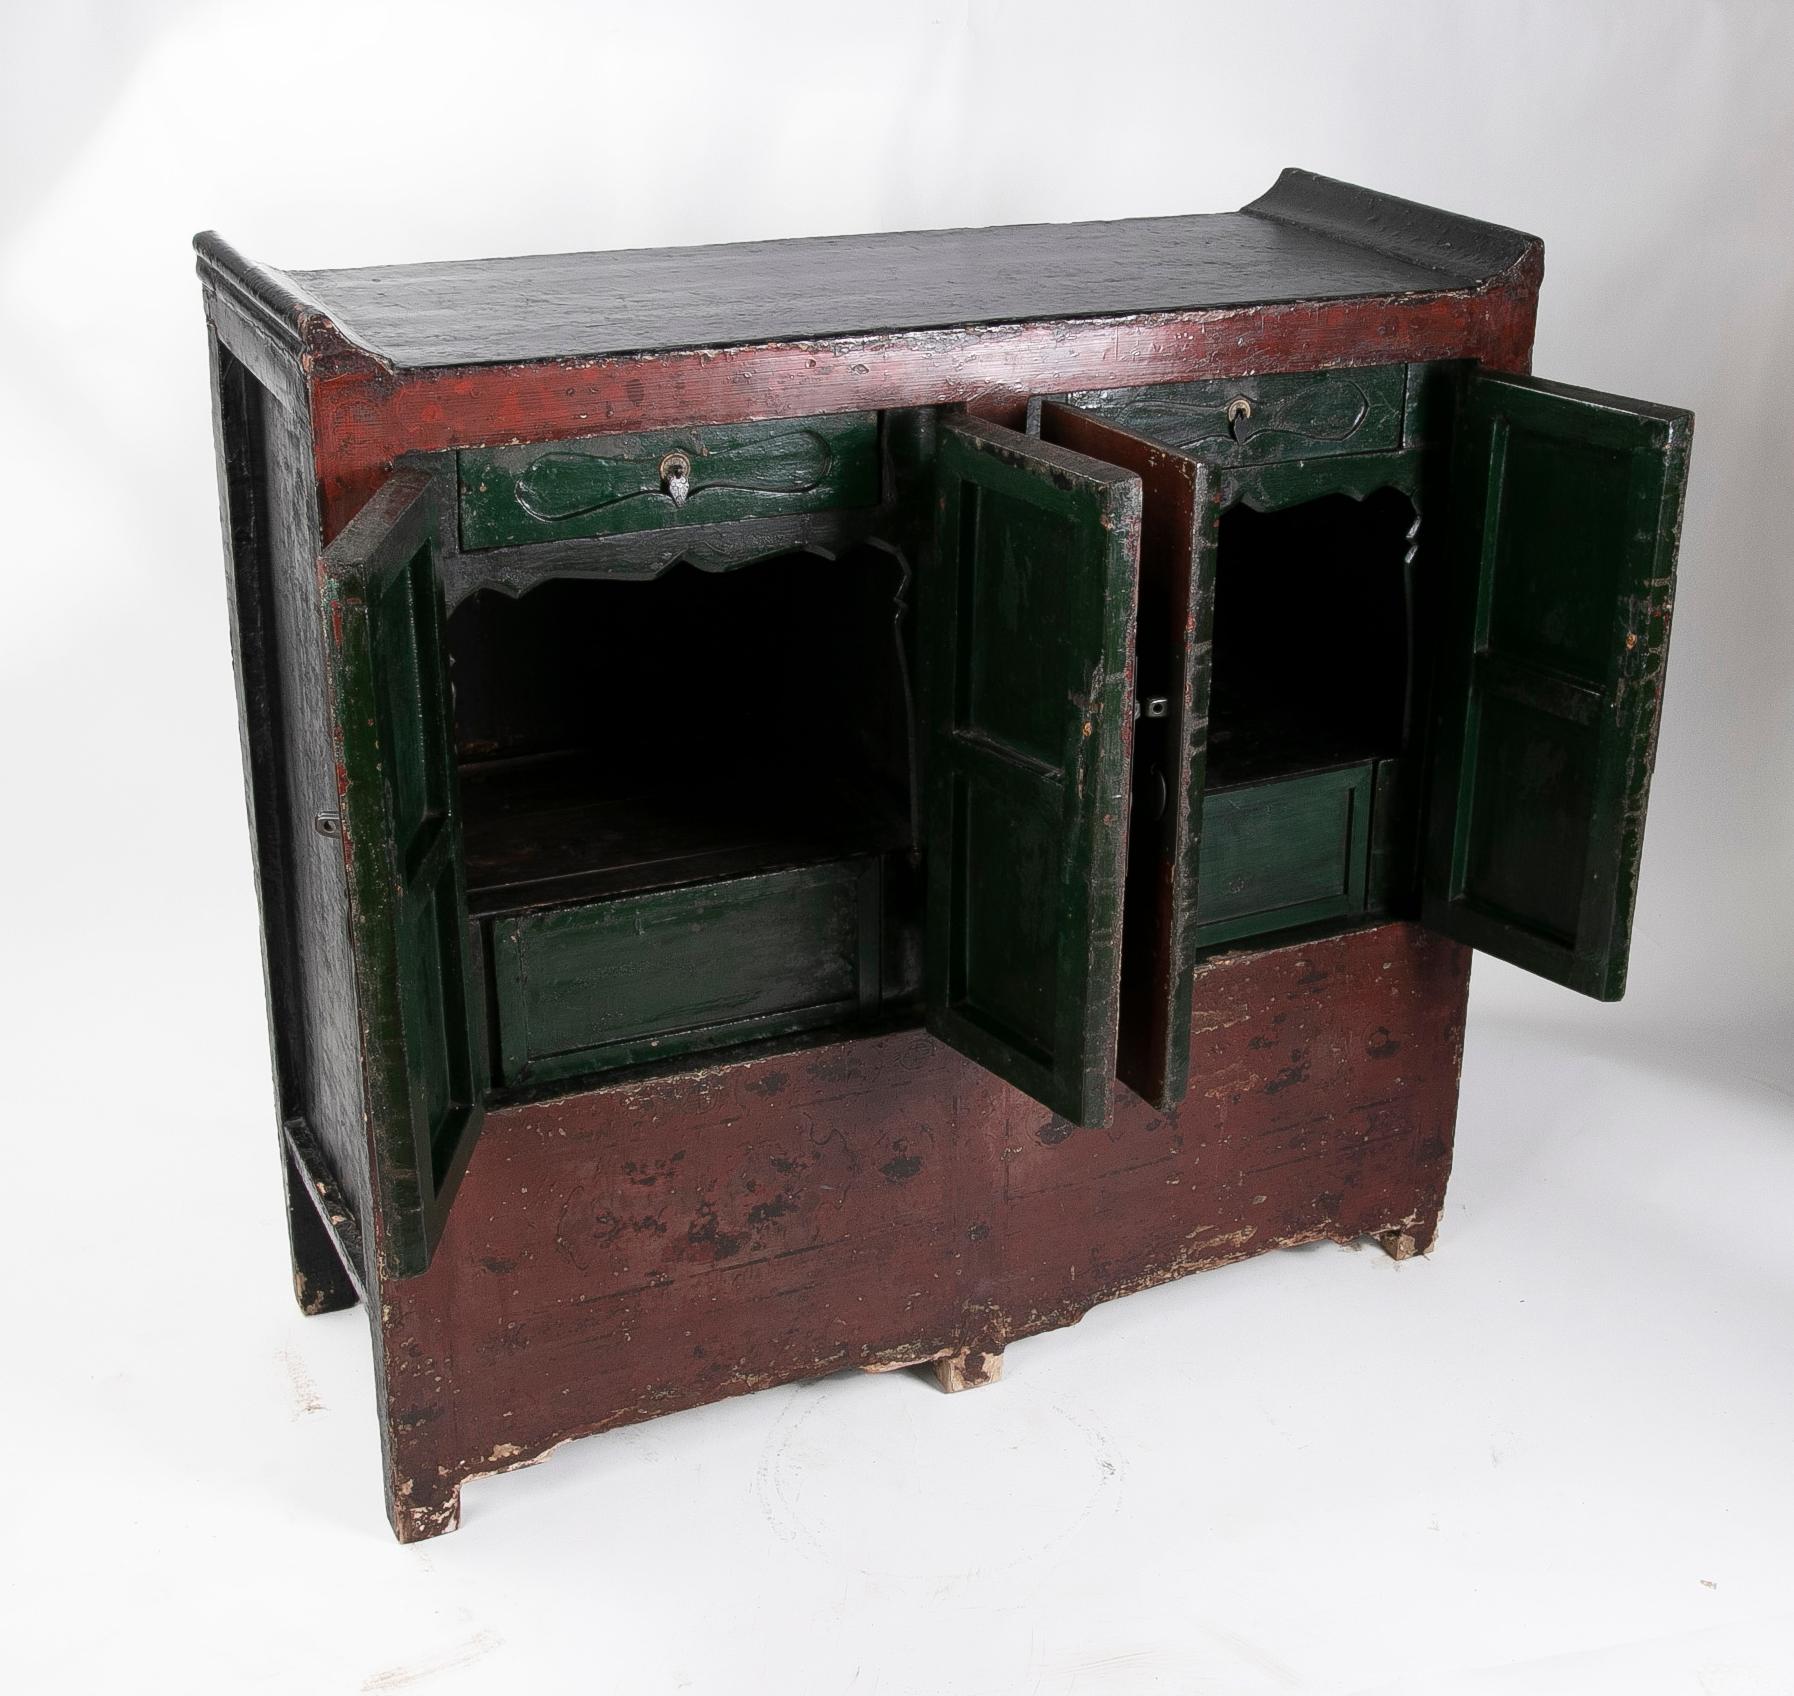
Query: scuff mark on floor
[305, 1393]
[476, 1648]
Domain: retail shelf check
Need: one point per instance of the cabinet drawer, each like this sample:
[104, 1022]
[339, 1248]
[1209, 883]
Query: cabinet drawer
[642, 977]
[1288, 851]
[615, 485]
[1254, 420]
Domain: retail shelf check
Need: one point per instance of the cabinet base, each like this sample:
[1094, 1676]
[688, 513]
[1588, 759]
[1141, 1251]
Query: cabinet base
[656, 1245]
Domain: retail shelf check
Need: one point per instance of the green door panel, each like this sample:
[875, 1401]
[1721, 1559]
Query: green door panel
[416, 968]
[1566, 510]
[1028, 633]
[1180, 526]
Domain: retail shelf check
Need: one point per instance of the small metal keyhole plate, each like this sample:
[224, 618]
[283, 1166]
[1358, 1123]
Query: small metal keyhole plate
[675, 476]
[1239, 409]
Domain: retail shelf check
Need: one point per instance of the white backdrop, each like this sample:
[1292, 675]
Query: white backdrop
[1555, 1457]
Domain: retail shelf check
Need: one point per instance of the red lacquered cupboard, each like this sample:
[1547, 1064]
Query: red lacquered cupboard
[833, 803]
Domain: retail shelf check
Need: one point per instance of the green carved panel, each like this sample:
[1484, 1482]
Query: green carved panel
[666, 479]
[1237, 421]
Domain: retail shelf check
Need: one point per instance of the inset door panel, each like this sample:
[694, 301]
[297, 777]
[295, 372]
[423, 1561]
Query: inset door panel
[1177, 586]
[1028, 667]
[1566, 515]
[417, 973]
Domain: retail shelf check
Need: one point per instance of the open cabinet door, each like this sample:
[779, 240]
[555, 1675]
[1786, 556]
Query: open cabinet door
[1566, 508]
[416, 976]
[1028, 633]
[1178, 532]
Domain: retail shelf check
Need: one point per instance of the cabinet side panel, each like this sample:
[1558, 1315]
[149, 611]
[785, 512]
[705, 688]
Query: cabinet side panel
[270, 512]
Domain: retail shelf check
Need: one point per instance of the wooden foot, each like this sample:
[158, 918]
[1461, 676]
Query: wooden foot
[968, 1369]
[416, 1514]
[1409, 1239]
[321, 1284]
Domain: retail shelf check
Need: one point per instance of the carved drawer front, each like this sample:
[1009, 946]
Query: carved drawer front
[647, 977]
[615, 485]
[1254, 420]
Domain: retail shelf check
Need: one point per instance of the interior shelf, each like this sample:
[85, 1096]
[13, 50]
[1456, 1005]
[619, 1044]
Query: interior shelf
[541, 830]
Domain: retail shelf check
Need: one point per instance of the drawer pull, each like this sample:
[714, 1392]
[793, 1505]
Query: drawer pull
[675, 476]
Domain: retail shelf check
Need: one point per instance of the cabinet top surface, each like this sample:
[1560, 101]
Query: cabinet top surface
[1309, 238]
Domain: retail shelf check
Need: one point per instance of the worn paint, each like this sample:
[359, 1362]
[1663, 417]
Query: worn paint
[568, 1297]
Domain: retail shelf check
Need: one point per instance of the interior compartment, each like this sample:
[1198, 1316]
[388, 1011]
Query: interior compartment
[1312, 639]
[1310, 817]
[617, 735]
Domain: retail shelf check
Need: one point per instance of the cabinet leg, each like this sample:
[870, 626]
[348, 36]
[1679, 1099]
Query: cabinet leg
[417, 1515]
[1410, 1238]
[968, 1369]
[319, 1280]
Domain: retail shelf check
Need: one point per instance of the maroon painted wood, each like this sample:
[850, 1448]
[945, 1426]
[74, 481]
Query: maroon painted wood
[652, 1246]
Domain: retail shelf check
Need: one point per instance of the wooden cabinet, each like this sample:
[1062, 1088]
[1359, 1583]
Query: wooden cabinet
[929, 700]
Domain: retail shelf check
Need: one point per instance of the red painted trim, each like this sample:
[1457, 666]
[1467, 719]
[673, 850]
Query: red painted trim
[364, 418]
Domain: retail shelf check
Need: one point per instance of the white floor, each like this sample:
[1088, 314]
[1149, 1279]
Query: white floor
[1552, 1458]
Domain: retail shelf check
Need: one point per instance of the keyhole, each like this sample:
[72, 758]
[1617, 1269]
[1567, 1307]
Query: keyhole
[675, 477]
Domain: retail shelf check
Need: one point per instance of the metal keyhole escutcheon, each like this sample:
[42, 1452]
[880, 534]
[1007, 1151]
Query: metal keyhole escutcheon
[1239, 409]
[675, 476]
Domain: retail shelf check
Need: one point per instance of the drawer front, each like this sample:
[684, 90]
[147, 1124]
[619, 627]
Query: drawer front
[641, 977]
[1255, 420]
[1289, 851]
[618, 485]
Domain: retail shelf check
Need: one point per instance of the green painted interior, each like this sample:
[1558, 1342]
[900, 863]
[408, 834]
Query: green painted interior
[689, 818]
[707, 759]
[1285, 852]
[671, 972]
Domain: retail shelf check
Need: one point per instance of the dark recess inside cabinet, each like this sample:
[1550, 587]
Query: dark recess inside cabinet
[687, 806]
[1311, 637]
[1309, 801]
